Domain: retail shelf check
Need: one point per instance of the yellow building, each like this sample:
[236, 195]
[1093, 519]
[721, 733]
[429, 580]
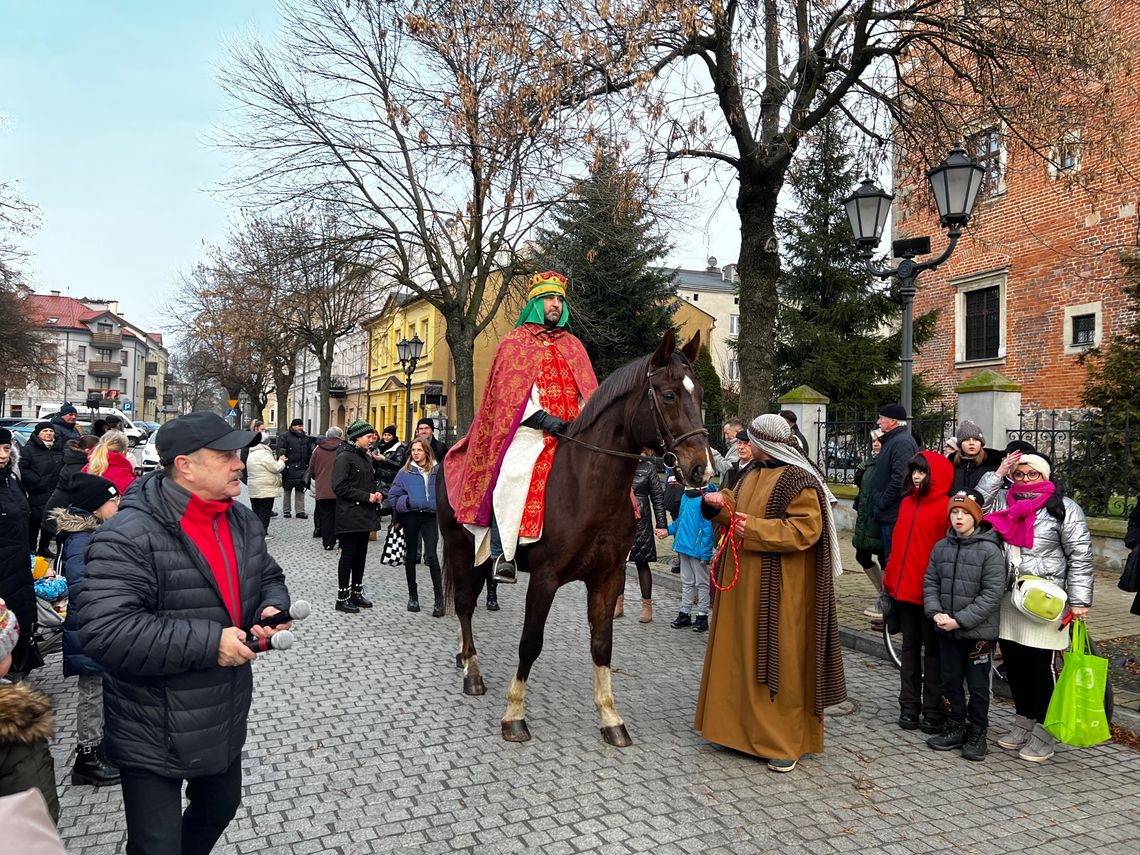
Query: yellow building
[689, 320]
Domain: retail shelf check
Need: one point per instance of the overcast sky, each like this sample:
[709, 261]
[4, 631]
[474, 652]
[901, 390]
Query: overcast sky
[108, 110]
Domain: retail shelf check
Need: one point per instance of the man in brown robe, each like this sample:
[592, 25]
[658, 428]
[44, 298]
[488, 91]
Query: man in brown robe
[773, 661]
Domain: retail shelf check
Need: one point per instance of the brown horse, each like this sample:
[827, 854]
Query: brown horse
[588, 527]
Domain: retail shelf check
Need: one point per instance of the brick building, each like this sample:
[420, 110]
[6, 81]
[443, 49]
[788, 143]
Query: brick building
[1037, 279]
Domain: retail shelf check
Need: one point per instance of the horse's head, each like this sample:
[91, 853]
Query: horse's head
[675, 428]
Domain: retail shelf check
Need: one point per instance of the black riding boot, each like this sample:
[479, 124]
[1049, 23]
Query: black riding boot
[92, 768]
[492, 595]
[358, 599]
[343, 603]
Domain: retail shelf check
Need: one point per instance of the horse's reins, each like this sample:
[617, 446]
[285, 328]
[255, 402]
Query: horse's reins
[666, 443]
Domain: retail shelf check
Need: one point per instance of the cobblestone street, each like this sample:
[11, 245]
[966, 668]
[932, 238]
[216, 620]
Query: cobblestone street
[361, 741]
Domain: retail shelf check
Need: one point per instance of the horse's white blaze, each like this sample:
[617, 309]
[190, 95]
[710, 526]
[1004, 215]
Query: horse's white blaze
[516, 700]
[709, 470]
[689, 385]
[604, 697]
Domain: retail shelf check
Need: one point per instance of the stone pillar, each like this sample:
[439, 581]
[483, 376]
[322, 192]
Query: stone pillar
[810, 408]
[993, 402]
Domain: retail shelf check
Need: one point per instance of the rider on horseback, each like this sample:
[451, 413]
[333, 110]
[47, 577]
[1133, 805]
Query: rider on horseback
[539, 379]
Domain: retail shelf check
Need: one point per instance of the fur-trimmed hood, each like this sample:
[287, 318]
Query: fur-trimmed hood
[25, 715]
[69, 521]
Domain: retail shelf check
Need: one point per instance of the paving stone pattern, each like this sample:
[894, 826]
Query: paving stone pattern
[361, 741]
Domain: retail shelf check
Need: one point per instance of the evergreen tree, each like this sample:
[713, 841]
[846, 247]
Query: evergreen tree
[833, 313]
[606, 240]
[704, 372]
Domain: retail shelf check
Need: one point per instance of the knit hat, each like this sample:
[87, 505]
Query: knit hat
[9, 631]
[296, 423]
[1037, 463]
[68, 410]
[390, 429]
[5, 436]
[893, 411]
[425, 421]
[91, 492]
[952, 443]
[967, 503]
[42, 426]
[358, 429]
[968, 430]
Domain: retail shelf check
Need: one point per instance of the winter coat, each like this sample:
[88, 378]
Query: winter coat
[965, 579]
[321, 467]
[354, 481]
[1062, 549]
[395, 456]
[868, 534]
[414, 491]
[25, 729]
[649, 493]
[64, 431]
[39, 470]
[298, 447]
[898, 447]
[15, 558]
[922, 522]
[75, 529]
[673, 493]
[74, 461]
[692, 533]
[120, 472]
[151, 614]
[263, 472]
[968, 472]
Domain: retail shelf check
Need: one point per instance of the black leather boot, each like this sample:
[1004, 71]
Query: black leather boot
[492, 595]
[437, 607]
[358, 599]
[343, 603]
[93, 769]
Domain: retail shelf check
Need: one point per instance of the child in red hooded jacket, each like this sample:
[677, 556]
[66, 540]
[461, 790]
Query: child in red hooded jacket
[921, 524]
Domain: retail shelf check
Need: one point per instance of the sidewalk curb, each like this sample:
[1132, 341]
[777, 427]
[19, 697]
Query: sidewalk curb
[864, 642]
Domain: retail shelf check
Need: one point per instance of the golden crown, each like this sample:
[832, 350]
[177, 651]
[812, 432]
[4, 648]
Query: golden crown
[546, 283]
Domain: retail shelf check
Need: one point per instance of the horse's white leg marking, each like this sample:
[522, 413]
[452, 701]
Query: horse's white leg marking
[516, 700]
[604, 697]
[471, 667]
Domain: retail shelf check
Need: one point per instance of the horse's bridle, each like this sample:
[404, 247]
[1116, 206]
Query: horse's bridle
[665, 440]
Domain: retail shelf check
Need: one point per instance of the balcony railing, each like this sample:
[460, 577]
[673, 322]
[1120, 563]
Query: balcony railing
[106, 339]
[150, 393]
[168, 400]
[338, 387]
[104, 369]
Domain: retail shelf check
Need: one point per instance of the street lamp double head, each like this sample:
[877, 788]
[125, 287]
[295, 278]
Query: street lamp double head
[955, 184]
[409, 353]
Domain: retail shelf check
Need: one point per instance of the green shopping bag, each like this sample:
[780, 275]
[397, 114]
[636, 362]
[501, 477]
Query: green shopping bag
[1076, 712]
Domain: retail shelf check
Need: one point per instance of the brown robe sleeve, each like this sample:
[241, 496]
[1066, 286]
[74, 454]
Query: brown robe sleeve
[795, 533]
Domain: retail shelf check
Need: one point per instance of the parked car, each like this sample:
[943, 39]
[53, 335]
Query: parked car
[148, 460]
[149, 427]
[135, 434]
[842, 455]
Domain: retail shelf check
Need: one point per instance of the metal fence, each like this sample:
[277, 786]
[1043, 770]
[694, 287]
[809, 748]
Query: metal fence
[842, 445]
[1092, 455]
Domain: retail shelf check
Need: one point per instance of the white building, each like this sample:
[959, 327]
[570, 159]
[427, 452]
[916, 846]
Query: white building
[347, 401]
[714, 290]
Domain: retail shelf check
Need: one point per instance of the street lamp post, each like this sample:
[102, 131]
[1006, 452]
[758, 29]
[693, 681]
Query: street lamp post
[409, 354]
[955, 183]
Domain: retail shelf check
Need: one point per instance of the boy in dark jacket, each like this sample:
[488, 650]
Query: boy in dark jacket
[964, 583]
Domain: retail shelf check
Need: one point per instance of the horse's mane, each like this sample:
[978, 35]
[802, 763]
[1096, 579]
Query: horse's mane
[618, 385]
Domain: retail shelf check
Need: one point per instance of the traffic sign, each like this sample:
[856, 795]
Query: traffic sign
[127, 406]
[233, 404]
[232, 413]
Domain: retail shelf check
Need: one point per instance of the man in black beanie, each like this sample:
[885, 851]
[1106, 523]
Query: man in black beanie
[297, 447]
[425, 429]
[898, 447]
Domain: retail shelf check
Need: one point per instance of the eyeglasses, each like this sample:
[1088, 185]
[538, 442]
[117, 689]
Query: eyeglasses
[1031, 475]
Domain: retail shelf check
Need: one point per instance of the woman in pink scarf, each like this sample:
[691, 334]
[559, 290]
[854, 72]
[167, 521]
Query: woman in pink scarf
[1046, 535]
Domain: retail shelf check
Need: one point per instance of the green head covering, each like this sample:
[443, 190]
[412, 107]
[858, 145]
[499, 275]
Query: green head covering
[532, 313]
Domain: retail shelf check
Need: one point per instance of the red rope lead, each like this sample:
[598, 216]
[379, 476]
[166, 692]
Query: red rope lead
[728, 538]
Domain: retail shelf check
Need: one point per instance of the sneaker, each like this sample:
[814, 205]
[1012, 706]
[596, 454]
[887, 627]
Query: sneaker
[782, 765]
[682, 620]
[1019, 735]
[287, 515]
[302, 516]
[505, 571]
[413, 604]
[873, 611]
[953, 736]
[976, 746]
[1040, 747]
[908, 721]
[701, 624]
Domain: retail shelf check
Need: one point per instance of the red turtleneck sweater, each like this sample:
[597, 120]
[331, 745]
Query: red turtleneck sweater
[206, 524]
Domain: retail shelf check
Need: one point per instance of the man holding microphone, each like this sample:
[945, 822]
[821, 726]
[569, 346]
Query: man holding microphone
[171, 581]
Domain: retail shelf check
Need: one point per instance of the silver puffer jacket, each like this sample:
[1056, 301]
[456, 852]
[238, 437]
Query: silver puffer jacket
[1062, 551]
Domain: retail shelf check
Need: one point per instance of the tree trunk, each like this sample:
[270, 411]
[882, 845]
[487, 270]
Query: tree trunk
[325, 361]
[460, 337]
[758, 268]
[282, 383]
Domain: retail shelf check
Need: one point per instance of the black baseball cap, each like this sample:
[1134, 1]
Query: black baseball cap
[186, 434]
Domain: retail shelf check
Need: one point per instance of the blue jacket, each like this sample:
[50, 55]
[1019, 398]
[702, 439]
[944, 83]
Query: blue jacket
[409, 493]
[692, 533]
[75, 529]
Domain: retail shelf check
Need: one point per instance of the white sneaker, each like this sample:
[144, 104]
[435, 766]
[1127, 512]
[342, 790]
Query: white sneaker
[1041, 746]
[872, 611]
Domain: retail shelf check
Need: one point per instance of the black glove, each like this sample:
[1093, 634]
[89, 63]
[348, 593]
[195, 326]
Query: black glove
[542, 420]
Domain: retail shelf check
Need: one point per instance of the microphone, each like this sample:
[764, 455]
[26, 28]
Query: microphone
[282, 640]
[298, 611]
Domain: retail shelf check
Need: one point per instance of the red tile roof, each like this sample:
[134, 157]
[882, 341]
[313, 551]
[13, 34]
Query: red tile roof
[70, 313]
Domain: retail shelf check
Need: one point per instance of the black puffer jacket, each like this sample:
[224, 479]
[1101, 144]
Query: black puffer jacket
[39, 470]
[298, 447]
[354, 479]
[15, 558]
[966, 579]
[152, 616]
[887, 490]
[73, 462]
[968, 472]
[25, 730]
[647, 488]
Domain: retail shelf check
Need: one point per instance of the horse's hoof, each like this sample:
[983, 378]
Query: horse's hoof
[617, 736]
[473, 685]
[516, 730]
[458, 660]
